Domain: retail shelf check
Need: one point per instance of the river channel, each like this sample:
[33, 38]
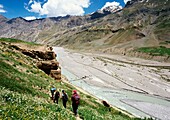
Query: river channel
[139, 90]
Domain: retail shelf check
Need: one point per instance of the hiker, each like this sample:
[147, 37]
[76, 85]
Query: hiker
[53, 89]
[75, 101]
[56, 97]
[64, 98]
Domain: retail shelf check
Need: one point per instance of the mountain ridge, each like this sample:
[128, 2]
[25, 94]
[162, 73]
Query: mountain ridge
[141, 23]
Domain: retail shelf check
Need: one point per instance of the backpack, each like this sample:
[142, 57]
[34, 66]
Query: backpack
[57, 95]
[77, 99]
[65, 97]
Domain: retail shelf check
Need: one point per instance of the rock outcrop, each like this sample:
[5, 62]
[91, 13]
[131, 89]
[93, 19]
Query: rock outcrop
[47, 66]
[46, 60]
[48, 55]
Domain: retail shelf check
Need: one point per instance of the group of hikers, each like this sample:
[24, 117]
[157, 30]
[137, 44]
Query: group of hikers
[75, 98]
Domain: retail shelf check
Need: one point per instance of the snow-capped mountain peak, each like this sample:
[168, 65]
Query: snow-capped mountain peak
[111, 8]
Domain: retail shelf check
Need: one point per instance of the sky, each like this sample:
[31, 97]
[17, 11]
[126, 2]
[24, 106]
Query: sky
[32, 9]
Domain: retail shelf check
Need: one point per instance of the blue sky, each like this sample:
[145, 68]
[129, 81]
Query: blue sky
[31, 9]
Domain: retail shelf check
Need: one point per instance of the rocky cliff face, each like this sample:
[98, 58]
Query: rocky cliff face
[44, 59]
[141, 23]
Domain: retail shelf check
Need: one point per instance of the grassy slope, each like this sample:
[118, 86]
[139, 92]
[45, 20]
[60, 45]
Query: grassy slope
[157, 51]
[25, 92]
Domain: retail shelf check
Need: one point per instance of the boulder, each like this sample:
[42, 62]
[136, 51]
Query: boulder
[105, 103]
[56, 74]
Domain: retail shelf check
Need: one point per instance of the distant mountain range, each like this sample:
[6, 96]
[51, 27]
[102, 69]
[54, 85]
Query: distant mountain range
[140, 23]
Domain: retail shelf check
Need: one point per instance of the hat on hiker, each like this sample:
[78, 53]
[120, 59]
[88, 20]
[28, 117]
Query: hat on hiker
[74, 91]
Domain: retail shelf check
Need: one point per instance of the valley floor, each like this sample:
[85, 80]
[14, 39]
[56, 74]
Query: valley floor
[135, 85]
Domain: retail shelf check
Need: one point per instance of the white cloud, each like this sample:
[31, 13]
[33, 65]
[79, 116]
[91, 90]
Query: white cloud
[53, 8]
[2, 9]
[113, 4]
[30, 18]
[125, 1]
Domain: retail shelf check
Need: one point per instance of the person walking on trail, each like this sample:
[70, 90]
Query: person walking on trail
[75, 98]
[64, 98]
[53, 89]
[56, 97]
